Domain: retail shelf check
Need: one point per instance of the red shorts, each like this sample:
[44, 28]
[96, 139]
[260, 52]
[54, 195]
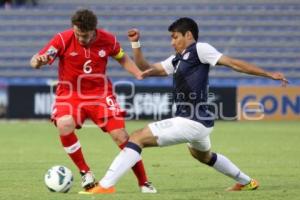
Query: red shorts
[104, 112]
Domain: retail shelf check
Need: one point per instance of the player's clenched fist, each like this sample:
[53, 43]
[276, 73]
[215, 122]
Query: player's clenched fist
[38, 60]
[133, 35]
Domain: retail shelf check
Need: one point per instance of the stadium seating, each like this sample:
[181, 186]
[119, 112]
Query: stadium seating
[266, 32]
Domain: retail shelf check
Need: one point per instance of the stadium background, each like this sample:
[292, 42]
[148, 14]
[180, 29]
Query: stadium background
[266, 32]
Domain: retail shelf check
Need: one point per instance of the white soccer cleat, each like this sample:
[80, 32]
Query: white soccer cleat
[88, 180]
[148, 188]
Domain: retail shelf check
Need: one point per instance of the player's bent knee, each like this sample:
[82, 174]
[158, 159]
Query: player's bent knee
[65, 125]
[144, 138]
[197, 157]
[206, 158]
[136, 136]
[203, 157]
[119, 136]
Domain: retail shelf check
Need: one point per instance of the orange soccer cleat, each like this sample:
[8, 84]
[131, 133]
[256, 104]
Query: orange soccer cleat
[253, 185]
[99, 190]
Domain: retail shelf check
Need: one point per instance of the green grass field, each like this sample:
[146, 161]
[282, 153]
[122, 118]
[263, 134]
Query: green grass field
[268, 151]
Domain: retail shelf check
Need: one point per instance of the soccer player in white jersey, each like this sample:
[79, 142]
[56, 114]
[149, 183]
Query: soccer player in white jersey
[192, 123]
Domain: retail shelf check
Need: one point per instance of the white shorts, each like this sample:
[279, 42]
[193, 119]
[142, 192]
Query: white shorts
[180, 130]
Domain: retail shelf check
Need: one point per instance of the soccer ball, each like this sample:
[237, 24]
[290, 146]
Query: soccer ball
[59, 179]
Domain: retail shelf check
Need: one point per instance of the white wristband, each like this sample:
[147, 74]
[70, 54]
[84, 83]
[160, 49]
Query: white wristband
[135, 45]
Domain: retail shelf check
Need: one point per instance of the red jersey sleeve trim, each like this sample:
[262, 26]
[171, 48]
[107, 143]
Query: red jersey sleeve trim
[62, 40]
[115, 44]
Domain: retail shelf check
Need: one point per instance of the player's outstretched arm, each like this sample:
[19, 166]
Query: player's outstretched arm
[154, 70]
[248, 68]
[37, 61]
[130, 66]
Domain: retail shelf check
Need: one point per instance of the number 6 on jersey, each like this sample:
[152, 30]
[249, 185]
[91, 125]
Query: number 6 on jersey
[87, 68]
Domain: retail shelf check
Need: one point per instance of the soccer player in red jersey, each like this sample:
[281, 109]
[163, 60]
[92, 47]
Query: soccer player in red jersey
[84, 91]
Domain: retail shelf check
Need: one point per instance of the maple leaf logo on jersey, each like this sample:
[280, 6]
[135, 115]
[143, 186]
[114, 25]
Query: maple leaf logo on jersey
[102, 53]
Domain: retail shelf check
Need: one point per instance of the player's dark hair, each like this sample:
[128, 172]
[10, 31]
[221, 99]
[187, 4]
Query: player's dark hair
[85, 20]
[183, 25]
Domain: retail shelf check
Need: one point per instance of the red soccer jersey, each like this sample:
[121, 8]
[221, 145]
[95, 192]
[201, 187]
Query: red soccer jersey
[82, 69]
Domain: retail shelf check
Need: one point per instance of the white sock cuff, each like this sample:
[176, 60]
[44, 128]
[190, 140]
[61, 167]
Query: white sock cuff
[73, 148]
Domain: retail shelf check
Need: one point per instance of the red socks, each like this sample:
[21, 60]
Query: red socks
[73, 148]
